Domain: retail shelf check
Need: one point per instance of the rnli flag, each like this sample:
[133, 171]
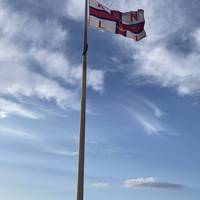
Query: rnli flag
[129, 24]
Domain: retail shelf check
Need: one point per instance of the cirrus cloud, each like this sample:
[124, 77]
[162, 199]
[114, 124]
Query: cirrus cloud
[8, 107]
[148, 115]
[101, 185]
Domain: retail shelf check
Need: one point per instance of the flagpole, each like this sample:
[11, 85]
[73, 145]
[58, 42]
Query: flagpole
[81, 155]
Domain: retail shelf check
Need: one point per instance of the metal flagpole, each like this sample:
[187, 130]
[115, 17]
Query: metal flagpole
[81, 158]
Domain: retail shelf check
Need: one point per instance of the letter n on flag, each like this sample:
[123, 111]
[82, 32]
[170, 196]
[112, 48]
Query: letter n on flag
[129, 24]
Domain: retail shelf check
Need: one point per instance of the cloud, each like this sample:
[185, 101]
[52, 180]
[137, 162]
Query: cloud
[151, 106]
[8, 107]
[75, 9]
[162, 67]
[60, 152]
[16, 59]
[150, 183]
[59, 67]
[22, 82]
[101, 185]
[167, 56]
[96, 79]
[34, 62]
[148, 115]
[151, 125]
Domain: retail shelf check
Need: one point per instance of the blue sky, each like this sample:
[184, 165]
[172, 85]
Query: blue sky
[143, 103]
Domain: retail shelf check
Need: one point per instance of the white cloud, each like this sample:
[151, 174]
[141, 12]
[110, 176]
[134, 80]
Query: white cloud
[154, 60]
[8, 107]
[20, 27]
[60, 152]
[139, 182]
[22, 82]
[151, 125]
[148, 115]
[59, 67]
[27, 42]
[101, 185]
[157, 111]
[170, 70]
[150, 183]
[75, 9]
[15, 75]
[96, 79]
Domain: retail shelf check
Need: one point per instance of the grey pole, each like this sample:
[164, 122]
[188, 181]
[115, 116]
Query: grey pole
[81, 158]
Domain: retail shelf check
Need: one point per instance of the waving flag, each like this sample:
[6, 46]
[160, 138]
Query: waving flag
[129, 24]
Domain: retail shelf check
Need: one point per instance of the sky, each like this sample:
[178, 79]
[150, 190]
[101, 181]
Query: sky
[143, 103]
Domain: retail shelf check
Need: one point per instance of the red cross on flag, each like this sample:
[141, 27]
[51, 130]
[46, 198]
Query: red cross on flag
[129, 24]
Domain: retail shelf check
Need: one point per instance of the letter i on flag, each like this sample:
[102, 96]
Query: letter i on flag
[129, 24]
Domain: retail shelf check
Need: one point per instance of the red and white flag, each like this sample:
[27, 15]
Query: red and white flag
[129, 24]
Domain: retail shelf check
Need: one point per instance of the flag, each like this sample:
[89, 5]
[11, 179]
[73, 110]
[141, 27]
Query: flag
[129, 24]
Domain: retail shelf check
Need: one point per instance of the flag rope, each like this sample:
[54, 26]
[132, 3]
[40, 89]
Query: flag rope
[85, 50]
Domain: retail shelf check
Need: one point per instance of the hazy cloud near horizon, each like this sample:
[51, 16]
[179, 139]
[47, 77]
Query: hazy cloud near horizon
[151, 183]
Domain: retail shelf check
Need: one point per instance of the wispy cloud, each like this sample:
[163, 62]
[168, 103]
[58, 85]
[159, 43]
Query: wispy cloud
[101, 185]
[157, 111]
[150, 183]
[33, 49]
[61, 152]
[151, 125]
[8, 107]
[148, 115]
